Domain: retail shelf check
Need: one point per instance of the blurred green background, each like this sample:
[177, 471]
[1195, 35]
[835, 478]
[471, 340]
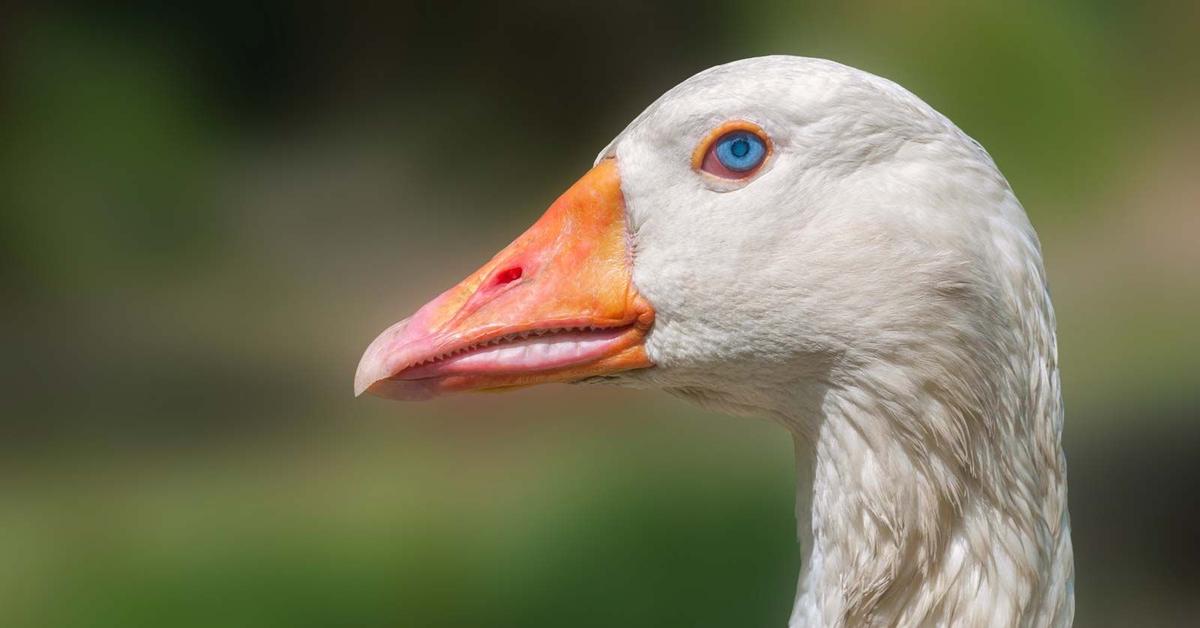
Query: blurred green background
[207, 212]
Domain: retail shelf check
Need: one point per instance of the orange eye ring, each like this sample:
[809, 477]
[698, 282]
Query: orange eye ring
[705, 159]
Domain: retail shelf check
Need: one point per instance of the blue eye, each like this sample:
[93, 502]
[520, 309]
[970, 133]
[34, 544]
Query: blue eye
[740, 151]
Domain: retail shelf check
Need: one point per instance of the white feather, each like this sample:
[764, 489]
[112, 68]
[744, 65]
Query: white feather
[879, 290]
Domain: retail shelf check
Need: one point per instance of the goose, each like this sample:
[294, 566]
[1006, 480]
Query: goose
[796, 239]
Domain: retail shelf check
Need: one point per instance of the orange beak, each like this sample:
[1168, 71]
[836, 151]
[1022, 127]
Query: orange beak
[556, 305]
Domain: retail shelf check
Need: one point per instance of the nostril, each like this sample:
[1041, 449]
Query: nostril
[508, 275]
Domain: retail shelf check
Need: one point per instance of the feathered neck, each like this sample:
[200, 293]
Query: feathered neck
[932, 490]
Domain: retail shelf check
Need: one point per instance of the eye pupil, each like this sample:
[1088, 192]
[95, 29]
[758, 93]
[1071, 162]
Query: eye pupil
[739, 148]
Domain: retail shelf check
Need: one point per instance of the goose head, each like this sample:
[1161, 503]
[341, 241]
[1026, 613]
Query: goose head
[797, 239]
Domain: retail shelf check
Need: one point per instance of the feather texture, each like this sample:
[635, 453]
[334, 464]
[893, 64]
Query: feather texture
[878, 289]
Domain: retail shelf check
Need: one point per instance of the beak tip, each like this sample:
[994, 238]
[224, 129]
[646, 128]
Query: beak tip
[364, 377]
[368, 372]
[373, 365]
[360, 387]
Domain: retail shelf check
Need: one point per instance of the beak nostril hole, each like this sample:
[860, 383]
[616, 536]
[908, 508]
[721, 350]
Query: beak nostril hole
[508, 275]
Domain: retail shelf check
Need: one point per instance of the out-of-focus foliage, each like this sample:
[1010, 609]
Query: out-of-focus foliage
[206, 213]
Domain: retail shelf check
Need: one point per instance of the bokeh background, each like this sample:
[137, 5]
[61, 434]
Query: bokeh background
[206, 212]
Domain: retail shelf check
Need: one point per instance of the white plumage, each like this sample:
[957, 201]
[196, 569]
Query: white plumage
[881, 293]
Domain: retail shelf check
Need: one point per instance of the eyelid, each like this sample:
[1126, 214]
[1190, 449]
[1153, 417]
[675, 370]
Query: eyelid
[723, 129]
